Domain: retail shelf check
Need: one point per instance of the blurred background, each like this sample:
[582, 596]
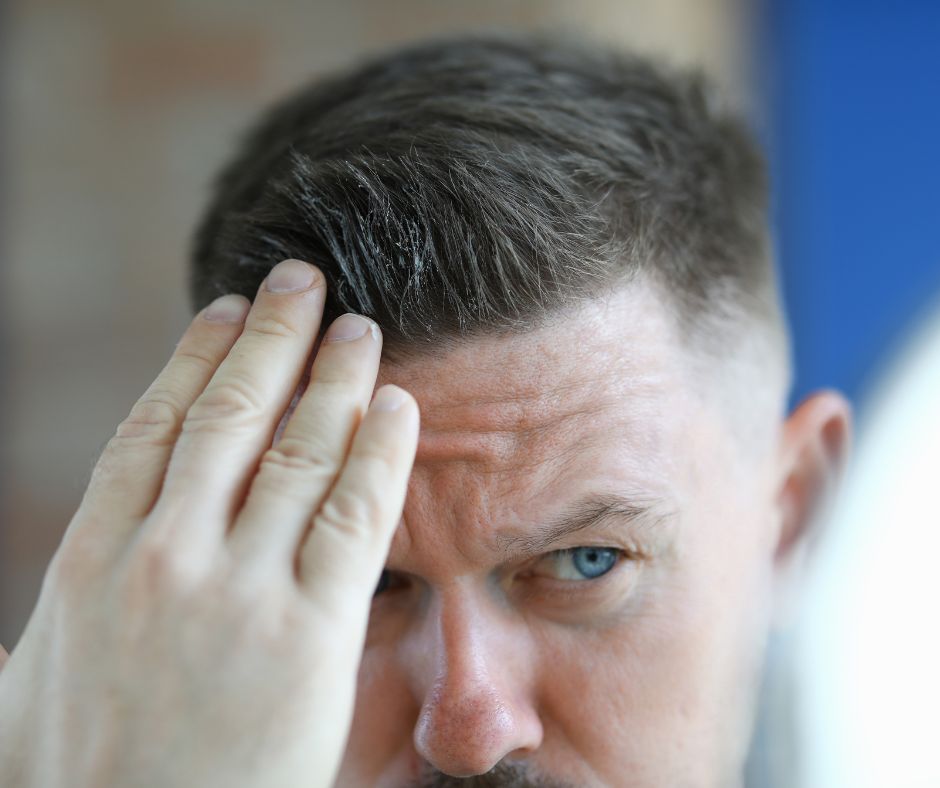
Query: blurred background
[115, 115]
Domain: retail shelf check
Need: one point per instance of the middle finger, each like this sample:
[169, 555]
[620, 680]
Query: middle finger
[295, 474]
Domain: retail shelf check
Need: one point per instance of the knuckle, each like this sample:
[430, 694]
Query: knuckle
[157, 566]
[295, 457]
[271, 325]
[332, 380]
[352, 514]
[232, 400]
[195, 358]
[280, 628]
[154, 420]
[377, 456]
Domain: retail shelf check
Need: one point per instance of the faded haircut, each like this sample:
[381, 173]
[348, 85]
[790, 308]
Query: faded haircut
[482, 184]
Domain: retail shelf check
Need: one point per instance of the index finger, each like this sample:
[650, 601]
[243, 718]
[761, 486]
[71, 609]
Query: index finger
[126, 480]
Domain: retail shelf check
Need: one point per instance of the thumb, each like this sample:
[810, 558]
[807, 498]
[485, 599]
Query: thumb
[4, 656]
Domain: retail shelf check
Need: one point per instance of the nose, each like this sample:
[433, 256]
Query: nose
[477, 704]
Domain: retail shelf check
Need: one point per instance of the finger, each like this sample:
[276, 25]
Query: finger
[340, 561]
[127, 477]
[232, 422]
[4, 656]
[296, 473]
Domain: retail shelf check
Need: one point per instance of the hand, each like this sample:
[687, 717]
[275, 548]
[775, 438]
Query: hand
[202, 622]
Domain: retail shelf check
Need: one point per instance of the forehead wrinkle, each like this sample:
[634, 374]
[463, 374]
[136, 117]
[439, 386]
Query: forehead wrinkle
[510, 402]
[497, 438]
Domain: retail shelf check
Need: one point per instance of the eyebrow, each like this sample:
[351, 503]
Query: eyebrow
[590, 512]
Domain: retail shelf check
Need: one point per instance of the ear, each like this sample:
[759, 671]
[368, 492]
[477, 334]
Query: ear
[814, 449]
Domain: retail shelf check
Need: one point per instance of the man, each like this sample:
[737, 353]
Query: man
[564, 257]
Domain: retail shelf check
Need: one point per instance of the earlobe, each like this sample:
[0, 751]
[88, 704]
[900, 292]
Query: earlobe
[814, 451]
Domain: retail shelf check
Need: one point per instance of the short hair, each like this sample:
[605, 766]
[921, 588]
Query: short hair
[483, 183]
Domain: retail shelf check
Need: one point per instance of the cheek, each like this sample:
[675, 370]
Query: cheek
[726, 567]
[661, 693]
[701, 644]
[631, 697]
[380, 740]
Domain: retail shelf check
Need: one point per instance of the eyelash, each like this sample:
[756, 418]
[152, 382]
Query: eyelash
[559, 555]
[621, 556]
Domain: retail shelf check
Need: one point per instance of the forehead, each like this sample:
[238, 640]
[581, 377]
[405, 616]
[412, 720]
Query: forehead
[610, 375]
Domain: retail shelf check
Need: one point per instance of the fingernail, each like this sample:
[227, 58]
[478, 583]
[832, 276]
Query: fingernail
[346, 327]
[290, 276]
[389, 398]
[231, 308]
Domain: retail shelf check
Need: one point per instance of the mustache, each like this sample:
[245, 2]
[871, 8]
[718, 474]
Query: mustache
[503, 775]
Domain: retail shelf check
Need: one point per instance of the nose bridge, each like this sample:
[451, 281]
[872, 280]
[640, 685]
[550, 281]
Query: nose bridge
[475, 699]
[464, 645]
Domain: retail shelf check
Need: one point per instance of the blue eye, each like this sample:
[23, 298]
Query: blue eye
[584, 563]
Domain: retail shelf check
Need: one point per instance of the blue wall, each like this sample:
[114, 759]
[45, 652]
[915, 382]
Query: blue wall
[854, 89]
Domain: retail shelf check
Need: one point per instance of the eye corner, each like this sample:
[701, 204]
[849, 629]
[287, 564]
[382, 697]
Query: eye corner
[391, 581]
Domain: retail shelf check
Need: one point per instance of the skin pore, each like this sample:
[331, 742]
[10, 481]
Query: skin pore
[622, 649]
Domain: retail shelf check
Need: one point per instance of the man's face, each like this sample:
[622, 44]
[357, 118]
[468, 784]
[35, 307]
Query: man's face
[619, 651]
